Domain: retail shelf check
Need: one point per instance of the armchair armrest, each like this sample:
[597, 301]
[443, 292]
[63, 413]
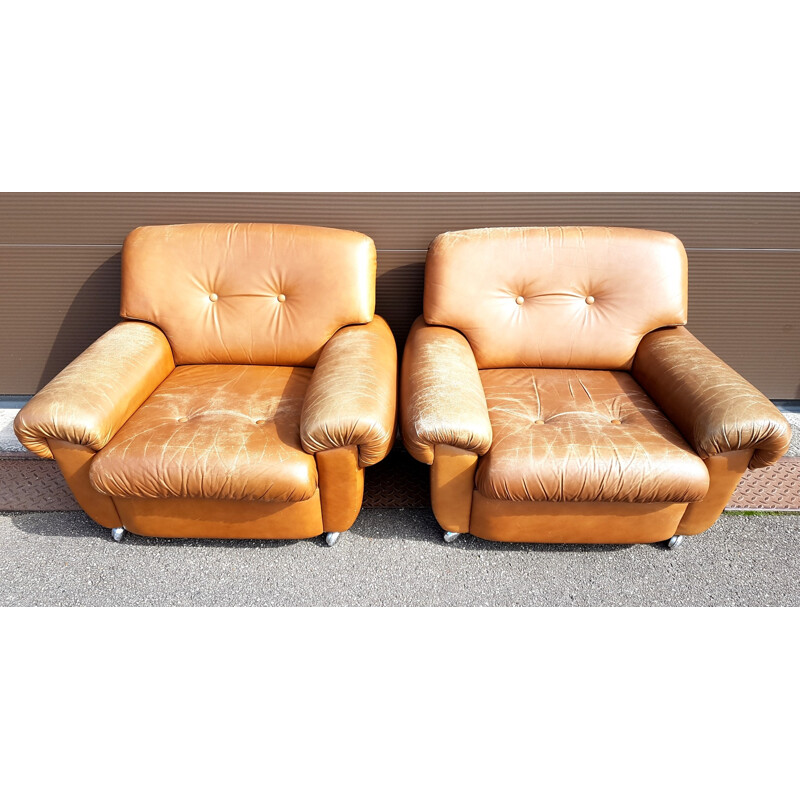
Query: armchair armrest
[443, 401]
[713, 406]
[91, 398]
[352, 397]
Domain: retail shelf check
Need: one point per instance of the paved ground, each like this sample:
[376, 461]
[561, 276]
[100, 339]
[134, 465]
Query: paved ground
[393, 557]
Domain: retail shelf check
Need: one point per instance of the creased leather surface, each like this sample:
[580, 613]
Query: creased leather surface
[250, 293]
[240, 439]
[519, 295]
[582, 435]
[714, 407]
[442, 400]
[352, 399]
[88, 401]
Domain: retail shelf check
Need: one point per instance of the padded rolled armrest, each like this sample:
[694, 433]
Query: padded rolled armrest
[352, 397]
[91, 398]
[713, 406]
[442, 398]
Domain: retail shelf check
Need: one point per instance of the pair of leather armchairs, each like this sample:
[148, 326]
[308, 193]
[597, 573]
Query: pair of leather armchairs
[550, 383]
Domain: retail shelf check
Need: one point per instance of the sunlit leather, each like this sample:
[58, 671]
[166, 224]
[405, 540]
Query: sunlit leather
[184, 517]
[214, 431]
[725, 472]
[442, 400]
[215, 289]
[260, 318]
[90, 399]
[353, 393]
[582, 436]
[607, 422]
[74, 461]
[341, 487]
[713, 406]
[574, 523]
[555, 297]
[452, 481]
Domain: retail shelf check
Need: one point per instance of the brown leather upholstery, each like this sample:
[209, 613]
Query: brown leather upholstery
[341, 487]
[555, 297]
[74, 461]
[186, 517]
[714, 407]
[213, 447]
[90, 399]
[442, 400]
[452, 481]
[352, 398]
[214, 431]
[248, 293]
[724, 474]
[574, 523]
[523, 364]
[582, 436]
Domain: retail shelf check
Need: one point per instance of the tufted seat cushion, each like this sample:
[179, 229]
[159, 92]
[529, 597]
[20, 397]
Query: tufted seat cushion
[214, 431]
[582, 435]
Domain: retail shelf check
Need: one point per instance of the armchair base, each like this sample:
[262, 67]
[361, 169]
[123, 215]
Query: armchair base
[182, 517]
[574, 523]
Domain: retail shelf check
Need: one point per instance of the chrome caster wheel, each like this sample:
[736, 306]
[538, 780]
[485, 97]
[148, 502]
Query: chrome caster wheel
[117, 534]
[449, 536]
[675, 541]
[332, 538]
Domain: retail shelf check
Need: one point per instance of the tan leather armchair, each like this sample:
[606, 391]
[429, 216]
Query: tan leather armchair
[243, 395]
[557, 396]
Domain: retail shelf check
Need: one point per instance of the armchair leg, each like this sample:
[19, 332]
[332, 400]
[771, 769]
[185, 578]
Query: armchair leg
[117, 534]
[675, 541]
[449, 536]
[332, 538]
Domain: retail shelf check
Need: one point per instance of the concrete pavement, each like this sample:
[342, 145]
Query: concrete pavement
[389, 558]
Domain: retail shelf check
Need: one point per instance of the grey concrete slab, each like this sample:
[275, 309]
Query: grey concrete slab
[394, 557]
[8, 439]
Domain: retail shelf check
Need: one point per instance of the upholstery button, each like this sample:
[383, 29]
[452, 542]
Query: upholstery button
[538, 422]
[183, 419]
[520, 300]
[261, 422]
[616, 422]
[281, 298]
[213, 297]
[589, 300]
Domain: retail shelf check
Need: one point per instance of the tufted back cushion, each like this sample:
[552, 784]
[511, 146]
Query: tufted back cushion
[248, 293]
[555, 297]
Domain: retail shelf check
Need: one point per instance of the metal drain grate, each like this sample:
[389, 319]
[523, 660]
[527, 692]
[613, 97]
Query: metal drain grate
[775, 488]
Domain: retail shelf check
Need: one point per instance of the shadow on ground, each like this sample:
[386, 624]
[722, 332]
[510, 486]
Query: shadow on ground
[425, 527]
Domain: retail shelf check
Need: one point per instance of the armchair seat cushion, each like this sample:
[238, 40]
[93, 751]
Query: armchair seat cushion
[216, 431]
[582, 436]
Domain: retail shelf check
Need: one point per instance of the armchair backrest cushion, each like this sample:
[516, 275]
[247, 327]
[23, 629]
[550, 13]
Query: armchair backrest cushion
[555, 297]
[250, 293]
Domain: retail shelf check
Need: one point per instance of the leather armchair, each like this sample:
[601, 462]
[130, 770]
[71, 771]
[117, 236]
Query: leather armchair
[554, 391]
[243, 395]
